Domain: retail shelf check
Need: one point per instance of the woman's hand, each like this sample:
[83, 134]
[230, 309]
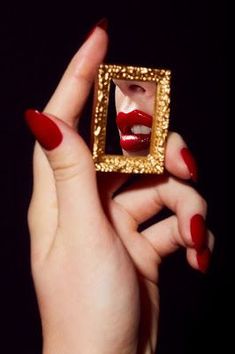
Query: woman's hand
[95, 275]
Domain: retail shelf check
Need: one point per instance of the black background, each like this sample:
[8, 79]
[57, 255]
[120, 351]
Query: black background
[187, 37]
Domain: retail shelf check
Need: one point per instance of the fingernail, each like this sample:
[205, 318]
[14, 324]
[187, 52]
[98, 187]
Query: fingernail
[103, 23]
[44, 129]
[198, 231]
[203, 259]
[190, 163]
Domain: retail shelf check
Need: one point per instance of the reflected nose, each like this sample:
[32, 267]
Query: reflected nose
[132, 88]
[130, 95]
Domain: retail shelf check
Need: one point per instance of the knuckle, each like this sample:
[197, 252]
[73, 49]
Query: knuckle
[174, 134]
[189, 195]
[175, 137]
[199, 201]
[66, 171]
[82, 76]
[66, 164]
[202, 203]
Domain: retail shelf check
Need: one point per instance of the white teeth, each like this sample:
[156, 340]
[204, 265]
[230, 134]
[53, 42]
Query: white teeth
[140, 129]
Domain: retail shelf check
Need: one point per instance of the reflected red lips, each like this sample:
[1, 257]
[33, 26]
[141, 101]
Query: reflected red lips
[135, 130]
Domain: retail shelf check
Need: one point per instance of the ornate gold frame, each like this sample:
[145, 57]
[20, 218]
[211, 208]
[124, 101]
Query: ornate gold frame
[154, 161]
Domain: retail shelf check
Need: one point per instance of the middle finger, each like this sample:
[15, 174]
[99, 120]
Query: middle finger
[149, 195]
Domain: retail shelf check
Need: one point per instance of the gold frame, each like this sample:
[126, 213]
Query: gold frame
[154, 161]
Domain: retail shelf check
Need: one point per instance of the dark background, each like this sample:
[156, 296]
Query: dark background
[187, 37]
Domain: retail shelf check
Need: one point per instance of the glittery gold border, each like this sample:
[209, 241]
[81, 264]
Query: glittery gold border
[154, 161]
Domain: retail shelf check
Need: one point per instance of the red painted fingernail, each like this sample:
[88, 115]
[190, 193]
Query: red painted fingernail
[190, 163]
[44, 129]
[203, 259]
[103, 23]
[198, 231]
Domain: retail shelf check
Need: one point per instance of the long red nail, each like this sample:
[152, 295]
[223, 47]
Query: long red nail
[198, 231]
[44, 129]
[103, 23]
[203, 259]
[190, 163]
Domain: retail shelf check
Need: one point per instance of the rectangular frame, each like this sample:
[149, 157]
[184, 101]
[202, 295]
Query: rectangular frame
[154, 161]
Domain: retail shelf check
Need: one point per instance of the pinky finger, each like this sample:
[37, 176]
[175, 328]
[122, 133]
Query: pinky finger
[166, 238]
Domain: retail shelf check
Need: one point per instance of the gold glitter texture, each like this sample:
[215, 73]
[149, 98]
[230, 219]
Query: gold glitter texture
[154, 161]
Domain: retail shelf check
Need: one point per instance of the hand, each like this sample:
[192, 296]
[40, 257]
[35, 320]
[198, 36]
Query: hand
[95, 275]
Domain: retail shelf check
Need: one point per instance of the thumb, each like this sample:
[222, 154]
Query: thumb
[72, 166]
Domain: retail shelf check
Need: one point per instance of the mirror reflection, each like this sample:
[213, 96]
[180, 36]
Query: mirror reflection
[132, 104]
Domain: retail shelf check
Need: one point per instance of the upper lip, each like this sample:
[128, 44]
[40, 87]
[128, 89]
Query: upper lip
[136, 117]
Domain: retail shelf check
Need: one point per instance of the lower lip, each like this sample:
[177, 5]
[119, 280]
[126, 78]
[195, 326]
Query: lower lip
[135, 142]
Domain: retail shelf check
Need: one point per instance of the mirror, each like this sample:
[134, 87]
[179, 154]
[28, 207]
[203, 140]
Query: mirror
[130, 119]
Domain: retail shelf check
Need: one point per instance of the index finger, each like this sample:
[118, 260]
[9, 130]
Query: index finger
[70, 95]
[66, 104]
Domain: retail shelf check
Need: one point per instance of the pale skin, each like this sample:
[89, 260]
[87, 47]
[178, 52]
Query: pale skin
[130, 95]
[96, 277]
